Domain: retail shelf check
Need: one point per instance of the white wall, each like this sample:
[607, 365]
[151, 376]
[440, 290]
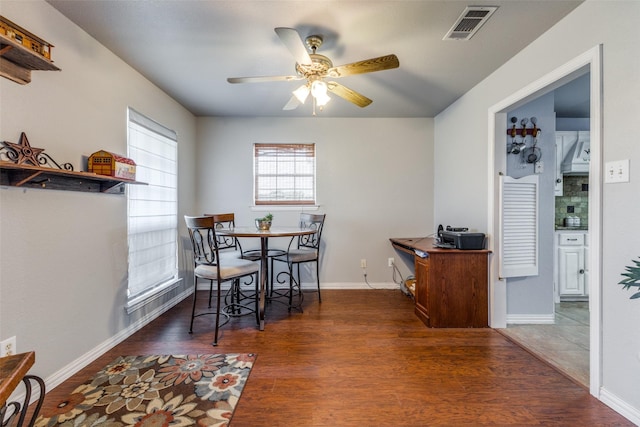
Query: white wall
[374, 181]
[63, 260]
[463, 127]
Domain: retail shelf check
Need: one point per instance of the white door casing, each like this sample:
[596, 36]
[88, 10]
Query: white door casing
[591, 62]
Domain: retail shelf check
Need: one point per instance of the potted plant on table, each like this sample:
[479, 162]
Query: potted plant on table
[264, 223]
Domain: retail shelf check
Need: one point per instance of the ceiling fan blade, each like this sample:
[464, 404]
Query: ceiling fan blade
[348, 94]
[292, 104]
[298, 97]
[380, 63]
[261, 79]
[294, 43]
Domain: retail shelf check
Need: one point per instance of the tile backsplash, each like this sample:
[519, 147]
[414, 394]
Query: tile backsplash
[574, 201]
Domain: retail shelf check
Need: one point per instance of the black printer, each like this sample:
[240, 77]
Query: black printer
[459, 238]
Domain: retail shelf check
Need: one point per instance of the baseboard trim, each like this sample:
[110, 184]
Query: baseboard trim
[524, 319]
[202, 286]
[620, 406]
[353, 285]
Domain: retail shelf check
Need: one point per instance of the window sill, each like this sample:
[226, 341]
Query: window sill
[283, 208]
[153, 294]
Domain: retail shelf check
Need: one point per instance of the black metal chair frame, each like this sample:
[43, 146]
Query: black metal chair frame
[309, 242]
[204, 242]
[231, 245]
[23, 408]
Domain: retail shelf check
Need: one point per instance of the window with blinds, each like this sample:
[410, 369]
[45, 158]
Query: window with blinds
[284, 174]
[152, 210]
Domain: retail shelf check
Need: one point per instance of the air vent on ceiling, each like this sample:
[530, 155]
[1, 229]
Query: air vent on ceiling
[469, 22]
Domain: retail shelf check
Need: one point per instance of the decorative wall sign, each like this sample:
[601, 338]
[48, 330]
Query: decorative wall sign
[23, 153]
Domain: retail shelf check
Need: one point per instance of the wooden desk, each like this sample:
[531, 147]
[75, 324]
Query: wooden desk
[451, 284]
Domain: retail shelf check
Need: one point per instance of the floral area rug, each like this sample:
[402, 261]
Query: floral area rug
[147, 391]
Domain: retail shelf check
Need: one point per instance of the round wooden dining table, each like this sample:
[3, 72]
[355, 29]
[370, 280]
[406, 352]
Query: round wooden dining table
[264, 236]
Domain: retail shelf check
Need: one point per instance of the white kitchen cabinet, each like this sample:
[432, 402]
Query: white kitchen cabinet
[572, 273]
[571, 144]
[564, 141]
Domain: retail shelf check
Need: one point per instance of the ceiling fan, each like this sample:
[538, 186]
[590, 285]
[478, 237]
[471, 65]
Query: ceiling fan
[315, 68]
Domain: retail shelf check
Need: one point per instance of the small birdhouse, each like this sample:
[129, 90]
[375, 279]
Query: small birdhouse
[110, 164]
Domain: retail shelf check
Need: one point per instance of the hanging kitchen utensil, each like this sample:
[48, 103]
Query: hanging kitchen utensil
[531, 154]
[516, 147]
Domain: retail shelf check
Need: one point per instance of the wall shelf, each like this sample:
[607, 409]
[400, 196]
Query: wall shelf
[27, 176]
[17, 62]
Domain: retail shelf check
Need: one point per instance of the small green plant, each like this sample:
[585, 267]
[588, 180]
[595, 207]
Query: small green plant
[632, 279]
[264, 223]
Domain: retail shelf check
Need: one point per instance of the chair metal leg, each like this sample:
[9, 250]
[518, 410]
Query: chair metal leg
[270, 284]
[300, 296]
[235, 296]
[318, 279]
[290, 285]
[210, 291]
[257, 303]
[215, 339]
[193, 310]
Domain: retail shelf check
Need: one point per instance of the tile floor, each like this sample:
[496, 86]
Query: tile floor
[564, 345]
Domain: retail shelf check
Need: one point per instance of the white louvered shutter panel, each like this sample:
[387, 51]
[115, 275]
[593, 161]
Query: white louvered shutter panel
[519, 226]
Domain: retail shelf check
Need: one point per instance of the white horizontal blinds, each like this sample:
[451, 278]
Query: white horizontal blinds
[152, 208]
[519, 226]
[284, 174]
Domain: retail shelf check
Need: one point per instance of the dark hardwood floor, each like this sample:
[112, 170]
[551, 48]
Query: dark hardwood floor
[362, 358]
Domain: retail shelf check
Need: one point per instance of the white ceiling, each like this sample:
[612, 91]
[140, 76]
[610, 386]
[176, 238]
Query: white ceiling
[189, 47]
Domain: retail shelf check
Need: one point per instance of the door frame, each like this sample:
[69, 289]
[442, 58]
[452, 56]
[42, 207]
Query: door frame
[591, 62]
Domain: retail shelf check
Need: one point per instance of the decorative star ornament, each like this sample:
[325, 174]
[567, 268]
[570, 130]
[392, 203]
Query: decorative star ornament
[26, 153]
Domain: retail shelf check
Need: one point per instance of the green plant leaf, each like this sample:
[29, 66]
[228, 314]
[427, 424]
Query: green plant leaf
[632, 278]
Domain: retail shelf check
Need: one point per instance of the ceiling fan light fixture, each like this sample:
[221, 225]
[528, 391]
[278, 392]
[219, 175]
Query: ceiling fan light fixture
[322, 100]
[319, 89]
[319, 92]
[302, 93]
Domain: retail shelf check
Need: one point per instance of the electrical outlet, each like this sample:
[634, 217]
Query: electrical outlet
[390, 262]
[8, 347]
[363, 263]
[539, 167]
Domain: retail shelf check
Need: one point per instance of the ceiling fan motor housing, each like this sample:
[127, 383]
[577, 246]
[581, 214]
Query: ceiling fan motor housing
[319, 66]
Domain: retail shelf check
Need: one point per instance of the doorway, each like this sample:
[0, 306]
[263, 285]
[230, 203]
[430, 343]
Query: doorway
[590, 62]
[561, 338]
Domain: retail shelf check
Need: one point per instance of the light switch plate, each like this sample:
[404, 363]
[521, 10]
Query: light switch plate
[539, 168]
[616, 171]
